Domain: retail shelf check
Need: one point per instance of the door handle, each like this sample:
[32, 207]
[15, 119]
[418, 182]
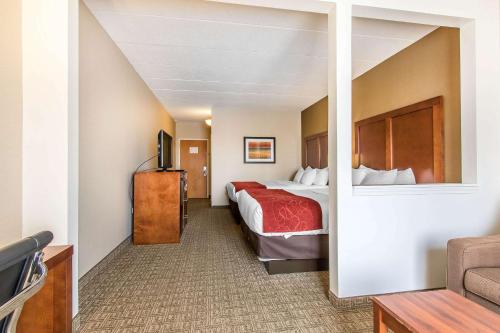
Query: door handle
[205, 171]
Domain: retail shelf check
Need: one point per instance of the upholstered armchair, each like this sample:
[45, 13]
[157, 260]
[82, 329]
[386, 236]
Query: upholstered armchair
[474, 269]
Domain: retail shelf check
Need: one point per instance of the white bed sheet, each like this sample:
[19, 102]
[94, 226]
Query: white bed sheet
[251, 212]
[276, 185]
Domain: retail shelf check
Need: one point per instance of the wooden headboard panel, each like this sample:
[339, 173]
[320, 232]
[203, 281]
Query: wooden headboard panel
[410, 137]
[316, 150]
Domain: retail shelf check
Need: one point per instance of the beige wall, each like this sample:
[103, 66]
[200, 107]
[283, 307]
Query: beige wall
[314, 120]
[426, 69]
[193, 130]
[10, 122]
[119, 122]
[228, 130]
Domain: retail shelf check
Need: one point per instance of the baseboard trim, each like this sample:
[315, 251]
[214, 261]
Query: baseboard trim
[101, 265]
[349, 303]
[75, 327]
[357, 302]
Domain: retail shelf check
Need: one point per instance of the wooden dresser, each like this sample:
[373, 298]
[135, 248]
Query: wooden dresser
[49, 310]
[160, 206]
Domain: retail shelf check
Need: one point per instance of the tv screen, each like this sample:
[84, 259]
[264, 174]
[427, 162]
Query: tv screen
[164, 150]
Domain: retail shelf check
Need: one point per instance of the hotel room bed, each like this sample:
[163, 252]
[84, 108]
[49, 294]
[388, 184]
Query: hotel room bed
[269, 184]
[274, 184]
[287, 251]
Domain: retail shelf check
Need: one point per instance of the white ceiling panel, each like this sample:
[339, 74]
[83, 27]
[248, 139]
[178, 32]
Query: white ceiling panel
[251, 88]
[374, 41]
[367, 48]
[212, 11]
[272, 74]
[389, 29]
[154, 30]
[199, 55]
[359, 67]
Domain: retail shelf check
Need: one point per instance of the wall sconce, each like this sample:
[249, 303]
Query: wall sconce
[208, 122]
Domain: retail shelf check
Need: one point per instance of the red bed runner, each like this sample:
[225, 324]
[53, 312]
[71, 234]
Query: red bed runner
[286, 212]
[238, 186]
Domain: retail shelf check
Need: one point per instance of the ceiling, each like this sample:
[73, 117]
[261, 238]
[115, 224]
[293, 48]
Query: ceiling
[374, 41]
[197, 56]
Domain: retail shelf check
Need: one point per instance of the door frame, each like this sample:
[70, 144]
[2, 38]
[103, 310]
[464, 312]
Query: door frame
[178, 159]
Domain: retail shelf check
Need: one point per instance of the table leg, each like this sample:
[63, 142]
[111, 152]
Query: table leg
[378, 324]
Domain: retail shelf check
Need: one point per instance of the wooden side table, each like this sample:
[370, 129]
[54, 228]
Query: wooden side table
[431, 311]
[50, 310]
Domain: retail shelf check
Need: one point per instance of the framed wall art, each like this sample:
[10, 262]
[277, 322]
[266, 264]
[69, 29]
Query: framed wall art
[259, 149]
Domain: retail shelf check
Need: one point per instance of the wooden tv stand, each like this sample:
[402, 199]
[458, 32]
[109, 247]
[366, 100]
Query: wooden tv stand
[160, 206]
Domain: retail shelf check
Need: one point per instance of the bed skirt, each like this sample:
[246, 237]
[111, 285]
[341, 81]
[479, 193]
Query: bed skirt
[306, 253]
[295, 247]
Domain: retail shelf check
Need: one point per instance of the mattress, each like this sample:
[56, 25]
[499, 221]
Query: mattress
[276, 185]
[251, 212]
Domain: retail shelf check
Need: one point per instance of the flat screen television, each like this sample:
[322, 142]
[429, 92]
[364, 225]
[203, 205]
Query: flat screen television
[164, 150]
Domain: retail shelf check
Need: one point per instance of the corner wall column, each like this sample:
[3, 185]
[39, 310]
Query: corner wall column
[50, 122]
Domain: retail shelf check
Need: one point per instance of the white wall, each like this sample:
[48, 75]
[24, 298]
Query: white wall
[390, 240]
[11, 118]
[228, 130]
[119, 121]
[46, 98]
[50, 113]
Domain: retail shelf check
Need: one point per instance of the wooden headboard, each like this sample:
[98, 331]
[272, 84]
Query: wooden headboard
[410, 137]
[316, 150]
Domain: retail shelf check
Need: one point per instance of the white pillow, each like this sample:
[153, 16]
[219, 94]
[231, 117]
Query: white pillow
[405, 177]
[381, 177]
[298, 175]
[321, 177]
[308, 177]
[358, 175]
[367, 169]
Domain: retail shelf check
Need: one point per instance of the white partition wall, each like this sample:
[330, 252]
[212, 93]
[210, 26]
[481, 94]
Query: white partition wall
[391, 239]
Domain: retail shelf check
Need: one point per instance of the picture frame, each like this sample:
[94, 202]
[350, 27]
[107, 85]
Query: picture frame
[259, 150]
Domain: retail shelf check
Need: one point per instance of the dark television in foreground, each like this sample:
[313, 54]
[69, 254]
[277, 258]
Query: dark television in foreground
[164, 150]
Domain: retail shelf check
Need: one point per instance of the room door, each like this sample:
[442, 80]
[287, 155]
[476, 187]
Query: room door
[193, 155]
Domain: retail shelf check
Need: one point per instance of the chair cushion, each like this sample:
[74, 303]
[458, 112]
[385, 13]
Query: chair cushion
[484, 282]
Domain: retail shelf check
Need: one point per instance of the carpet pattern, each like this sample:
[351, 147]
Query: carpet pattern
[210, 282]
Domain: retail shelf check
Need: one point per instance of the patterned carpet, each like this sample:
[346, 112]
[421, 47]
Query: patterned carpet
[211, 282]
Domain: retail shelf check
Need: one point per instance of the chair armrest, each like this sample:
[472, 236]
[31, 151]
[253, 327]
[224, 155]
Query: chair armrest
[467, 253]
[35, 281]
